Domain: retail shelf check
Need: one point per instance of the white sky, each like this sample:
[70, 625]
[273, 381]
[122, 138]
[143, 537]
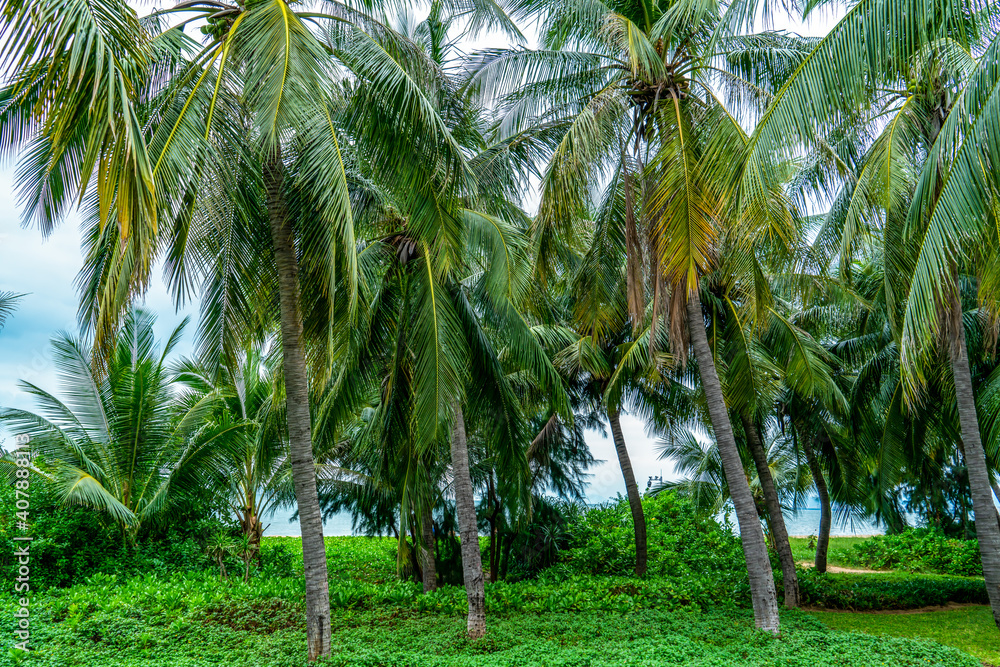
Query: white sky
[45, 270]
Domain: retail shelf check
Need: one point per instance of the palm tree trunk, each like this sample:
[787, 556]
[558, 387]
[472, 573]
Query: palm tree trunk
[762, 593]
[987, 531]
[825, 509]
[465, 510]
[634, 499]
[775, 518]
[297, 411]
[494, 507]
[429, 566]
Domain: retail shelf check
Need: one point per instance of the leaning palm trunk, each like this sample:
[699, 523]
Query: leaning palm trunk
[825, 509]
[987, 530]
[468, 525]
[762, 593]
[297, 410]
[428, 565]
[634, 500]
[774, 516]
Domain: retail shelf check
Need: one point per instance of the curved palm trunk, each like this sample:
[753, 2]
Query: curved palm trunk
[297, 410]
[774, 516]
[762, 593]
[465, 510]
[428, 565]
[987, 530]
[634, 499]
[825, 509]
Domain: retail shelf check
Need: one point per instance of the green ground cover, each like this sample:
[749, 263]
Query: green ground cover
[265, 633]
[580, 605]
[193, 619]
[969, 628]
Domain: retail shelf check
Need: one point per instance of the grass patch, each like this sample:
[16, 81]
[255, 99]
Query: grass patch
[368, 559]
[802, 552]
[970, 629]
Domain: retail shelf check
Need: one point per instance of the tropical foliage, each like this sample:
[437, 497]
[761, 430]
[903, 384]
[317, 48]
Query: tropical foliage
[780, 252]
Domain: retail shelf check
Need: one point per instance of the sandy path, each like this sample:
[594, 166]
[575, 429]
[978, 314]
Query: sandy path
[833, 569]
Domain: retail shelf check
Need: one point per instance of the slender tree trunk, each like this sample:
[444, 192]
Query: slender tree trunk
[825, 510]
[774, 516]
[429, 573]
[634, 499]
[508, 546]
[762, 592]
[465, 510]
[495, 557]
[494, 531]
[416, 556]
[297, 411]
[987, 531]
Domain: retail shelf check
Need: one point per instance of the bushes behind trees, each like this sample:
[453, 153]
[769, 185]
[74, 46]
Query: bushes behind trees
[919, 550]
[888, 590]
[72, 543]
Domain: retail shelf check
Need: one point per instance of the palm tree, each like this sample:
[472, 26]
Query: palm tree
[951, 223]
[8, 302]
[937, 230]
[611, 367]
[252, 102]
[439, 343]
[243, 392]
[636, 83]
[119, 442]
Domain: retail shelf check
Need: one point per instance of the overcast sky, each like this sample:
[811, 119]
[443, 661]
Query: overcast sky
[45, 270]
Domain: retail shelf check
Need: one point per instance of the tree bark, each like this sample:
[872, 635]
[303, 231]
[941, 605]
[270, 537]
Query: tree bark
[825, 509]
[297, 411]
[428, 565]
[508, 545]
[987, 531]
[494, 508]
[634, 499]
[762, 592]
[774, 516]
[465, 510]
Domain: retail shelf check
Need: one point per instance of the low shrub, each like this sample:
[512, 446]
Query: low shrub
[681, 541]
[72, 543]
[919, 550]
[866, 592]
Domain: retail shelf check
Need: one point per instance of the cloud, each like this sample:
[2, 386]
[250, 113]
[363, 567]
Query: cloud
[44, 269]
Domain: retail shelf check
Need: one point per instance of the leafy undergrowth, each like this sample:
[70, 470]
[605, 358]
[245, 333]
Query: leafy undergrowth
[562, 618]
[400, 638]
[919, 550]
[969, 628]
[686, 614]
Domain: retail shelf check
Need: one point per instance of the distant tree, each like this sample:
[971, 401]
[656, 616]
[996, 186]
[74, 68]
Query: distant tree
[118, 441]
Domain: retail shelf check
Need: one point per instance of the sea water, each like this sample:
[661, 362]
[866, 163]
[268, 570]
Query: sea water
[800, 523]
